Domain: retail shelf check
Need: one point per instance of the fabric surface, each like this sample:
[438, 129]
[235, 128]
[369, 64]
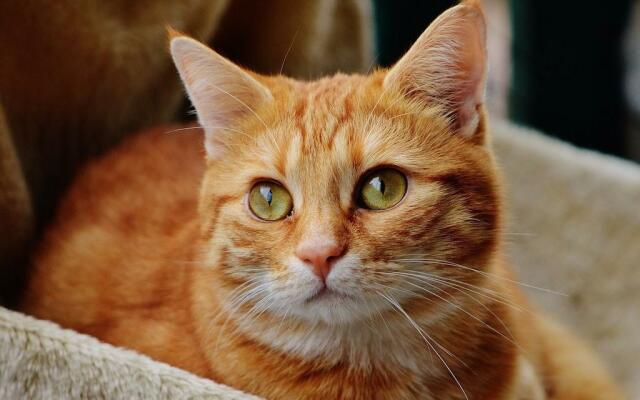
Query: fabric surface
[38, 360]
[573, 227]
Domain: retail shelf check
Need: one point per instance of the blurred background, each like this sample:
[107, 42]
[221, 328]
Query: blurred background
[569, 69]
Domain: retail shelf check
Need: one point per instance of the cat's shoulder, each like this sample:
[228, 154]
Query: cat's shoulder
[148, 172]
[124, 216]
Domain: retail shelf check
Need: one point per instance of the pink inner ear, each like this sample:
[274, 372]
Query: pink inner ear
[471, 93]
[221, 92]
[447, 66]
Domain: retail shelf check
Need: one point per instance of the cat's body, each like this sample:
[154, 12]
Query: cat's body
[329, 299]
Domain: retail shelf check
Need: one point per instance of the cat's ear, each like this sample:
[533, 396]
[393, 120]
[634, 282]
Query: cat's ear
[220, 91]
[447, 66]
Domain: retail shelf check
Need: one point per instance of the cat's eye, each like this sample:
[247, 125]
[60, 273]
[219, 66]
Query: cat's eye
[382, 189]
[270, 201]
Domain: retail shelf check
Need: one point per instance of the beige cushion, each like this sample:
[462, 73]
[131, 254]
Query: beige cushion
[39, 360]
[574, 227]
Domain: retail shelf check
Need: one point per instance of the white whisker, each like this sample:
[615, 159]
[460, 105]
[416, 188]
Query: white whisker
[450, 282]
[464, 311]
[243, 104]
[284, 60]
[427, 339]
[433, 261]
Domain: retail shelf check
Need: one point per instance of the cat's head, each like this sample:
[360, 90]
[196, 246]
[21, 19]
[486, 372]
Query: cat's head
[335, 200]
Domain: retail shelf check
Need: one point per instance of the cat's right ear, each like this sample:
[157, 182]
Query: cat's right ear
[220, 91]
[447, 66]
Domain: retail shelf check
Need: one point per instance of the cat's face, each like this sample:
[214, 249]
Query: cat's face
[333, 201]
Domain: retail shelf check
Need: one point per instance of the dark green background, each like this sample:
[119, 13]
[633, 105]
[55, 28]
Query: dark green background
[567, 66]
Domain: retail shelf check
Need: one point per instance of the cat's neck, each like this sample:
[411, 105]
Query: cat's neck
[362, 345]
[416, 342]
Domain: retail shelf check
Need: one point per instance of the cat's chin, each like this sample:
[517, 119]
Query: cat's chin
[328, 295]
[332, 307]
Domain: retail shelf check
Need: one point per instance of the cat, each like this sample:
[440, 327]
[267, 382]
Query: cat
[334, 239]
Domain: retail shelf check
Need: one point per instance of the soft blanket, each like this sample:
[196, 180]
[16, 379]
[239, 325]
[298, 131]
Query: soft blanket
[39, 360]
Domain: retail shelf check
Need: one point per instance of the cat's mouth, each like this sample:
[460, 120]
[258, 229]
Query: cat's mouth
[326, 293]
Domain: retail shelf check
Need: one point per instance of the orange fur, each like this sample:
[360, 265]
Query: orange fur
[421, 304]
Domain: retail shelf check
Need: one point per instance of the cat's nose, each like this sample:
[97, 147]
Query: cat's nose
[320, 255]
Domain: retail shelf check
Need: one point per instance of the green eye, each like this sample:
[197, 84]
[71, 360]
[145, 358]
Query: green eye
[382, 189]
[270, 201]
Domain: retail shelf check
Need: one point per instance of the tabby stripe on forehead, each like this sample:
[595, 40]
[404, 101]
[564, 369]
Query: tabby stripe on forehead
[300, 111]
[280, 161]
[342, 118]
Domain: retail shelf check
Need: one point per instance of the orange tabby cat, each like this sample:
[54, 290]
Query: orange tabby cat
[345, 242]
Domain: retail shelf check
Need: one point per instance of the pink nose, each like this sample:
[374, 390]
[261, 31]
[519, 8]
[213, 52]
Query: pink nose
[321, 256]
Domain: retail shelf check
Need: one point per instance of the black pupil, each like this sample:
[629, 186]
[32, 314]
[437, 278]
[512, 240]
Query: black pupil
[378, 184]
[266, 192]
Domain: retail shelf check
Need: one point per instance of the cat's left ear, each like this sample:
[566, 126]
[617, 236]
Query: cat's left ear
[447, 66]
[220, 91]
